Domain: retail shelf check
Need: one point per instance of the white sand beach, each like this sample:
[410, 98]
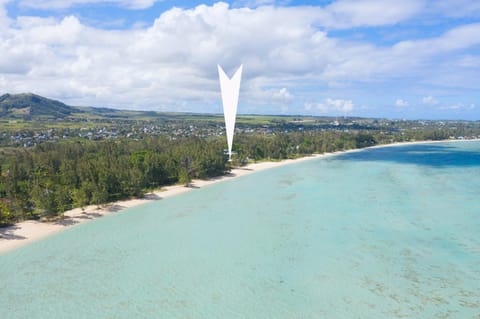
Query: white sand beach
[28, 231]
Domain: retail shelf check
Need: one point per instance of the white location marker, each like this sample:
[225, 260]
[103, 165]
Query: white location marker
[230, 89]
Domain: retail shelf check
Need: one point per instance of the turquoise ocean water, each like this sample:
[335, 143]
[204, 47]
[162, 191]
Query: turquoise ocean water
[382, 233]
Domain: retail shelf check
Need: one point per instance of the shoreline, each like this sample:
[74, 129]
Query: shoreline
[29, 231]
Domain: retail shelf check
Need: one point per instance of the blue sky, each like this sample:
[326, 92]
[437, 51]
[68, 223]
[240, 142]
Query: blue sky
[387, 58]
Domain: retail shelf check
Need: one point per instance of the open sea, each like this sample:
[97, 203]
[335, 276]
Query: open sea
[389, 232]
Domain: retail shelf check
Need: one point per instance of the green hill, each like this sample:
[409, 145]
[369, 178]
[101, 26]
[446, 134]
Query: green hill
[31, 106]
[28, 106]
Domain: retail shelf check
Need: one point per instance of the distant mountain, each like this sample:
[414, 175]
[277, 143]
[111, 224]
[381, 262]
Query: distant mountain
[31, 106]
[28, 106]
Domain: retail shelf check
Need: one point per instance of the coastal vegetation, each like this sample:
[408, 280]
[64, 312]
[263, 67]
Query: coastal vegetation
[54, 157]
[46, 180]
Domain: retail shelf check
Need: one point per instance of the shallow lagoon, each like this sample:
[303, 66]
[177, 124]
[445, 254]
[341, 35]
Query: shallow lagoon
[381, 233]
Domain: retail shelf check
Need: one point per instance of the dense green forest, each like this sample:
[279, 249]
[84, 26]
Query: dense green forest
[50, 178]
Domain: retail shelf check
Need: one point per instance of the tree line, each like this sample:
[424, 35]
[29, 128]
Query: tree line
[51, 178]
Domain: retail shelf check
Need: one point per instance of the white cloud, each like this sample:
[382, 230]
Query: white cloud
[172, 62]
[257, 92]
[62, 4]
[331, 106]
[254, 3]
[461, 37]
[355, 13]
[429, 100]
[4, 20]
[457, 106]
[339, 14]
[469, 61]
[401, 103]
[282, 95]
[455, 8]
[343, 14]
[166, 61]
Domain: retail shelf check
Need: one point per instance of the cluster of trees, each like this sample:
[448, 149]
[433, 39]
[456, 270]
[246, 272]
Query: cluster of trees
[51, 178]
[291, 145]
